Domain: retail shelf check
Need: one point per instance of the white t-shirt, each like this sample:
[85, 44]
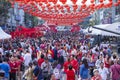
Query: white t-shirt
[97, 64]
[74, 52]
[30, 50]
[1, 50]
[56, 72]
[27, 58]
[46, 67]
[103, 72]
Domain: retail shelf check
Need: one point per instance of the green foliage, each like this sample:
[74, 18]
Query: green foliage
[34, 21]
[91, 23]
[29, 18]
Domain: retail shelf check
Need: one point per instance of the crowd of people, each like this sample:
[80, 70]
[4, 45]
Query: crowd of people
[61, 56]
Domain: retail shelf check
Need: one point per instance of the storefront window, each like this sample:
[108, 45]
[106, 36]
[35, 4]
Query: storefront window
[117, 11]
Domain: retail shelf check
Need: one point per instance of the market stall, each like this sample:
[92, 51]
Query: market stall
[4, 35]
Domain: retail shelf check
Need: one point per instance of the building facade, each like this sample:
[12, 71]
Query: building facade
[16, 16]
[107, 15]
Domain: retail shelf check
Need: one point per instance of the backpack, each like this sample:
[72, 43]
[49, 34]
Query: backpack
[22, 67]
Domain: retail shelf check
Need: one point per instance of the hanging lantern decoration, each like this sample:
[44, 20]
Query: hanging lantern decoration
[63, 1]
[92, 1]
[101, 5]
[53, 1]
[74, 1]
[116, 4]
[37, 0]
[101, 1]
[92, 6]
[83, 1]
[83, 6]
[75, 7]
[110, 3]
[62, 14]
[26, 1]
[12, 4]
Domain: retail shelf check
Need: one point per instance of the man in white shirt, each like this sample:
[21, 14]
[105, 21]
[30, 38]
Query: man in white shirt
[46, 69]
[103, 71]
[1, 50]
[30, 50]
[98, 62]
[27, 58]
[74, 51]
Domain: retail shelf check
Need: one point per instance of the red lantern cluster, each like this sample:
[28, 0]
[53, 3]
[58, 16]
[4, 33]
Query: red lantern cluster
[64, 14]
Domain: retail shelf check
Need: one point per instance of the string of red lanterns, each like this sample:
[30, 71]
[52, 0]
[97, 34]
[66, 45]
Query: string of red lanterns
[64, 14]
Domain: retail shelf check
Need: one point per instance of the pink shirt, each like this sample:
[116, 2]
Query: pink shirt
[114, 69]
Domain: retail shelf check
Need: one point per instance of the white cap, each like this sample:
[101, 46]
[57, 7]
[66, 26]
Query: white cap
[95, 70]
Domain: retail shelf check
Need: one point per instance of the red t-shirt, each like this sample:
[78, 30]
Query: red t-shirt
[74, 63]
[13, 65]
[79, 56]
[107, 65]
[96, 77]
[52, 53]
[70, 74]
[22, 59]
[40, 61]
[66, 64]
[19, 63]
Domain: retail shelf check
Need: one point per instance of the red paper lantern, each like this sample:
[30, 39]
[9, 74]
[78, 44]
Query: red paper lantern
[63, 1]
[84, 1]
[101, 1]
[116, 4]
[26, 1]
[83, 6]
[92, 1]
[53, 1]
[74, 1]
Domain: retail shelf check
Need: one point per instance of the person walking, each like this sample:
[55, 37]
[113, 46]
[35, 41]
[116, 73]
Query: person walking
[28, 75]
[46, 69]
[6, 68]
[27, 59]
[70, 73]
[13, 66]
[103, 71]
[96, 75]
[37, 72]
[84, 72]
[115, 71]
